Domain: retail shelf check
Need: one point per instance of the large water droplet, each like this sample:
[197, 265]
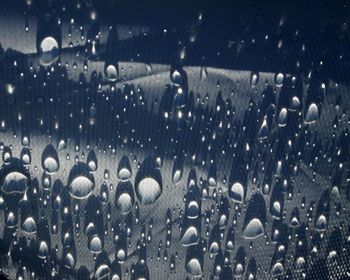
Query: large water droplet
[148, 182]
[312, 114]
[111, 72]
[29, 225]
[279, 78]
[124, 197]
[255, 217]
[49, 51]
[49, 160]
[13, 177]
[237, 192]
[190, 236]
[80, 182]
[124, 169]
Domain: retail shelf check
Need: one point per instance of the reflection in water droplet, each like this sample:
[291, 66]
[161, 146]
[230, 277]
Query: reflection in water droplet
[49, 161]
[124, 169]
[148, 190]
[148, 182]
[43, 250]
[26, 156]
[176, 77]
[15, 182]
[95, 245]
[29, 226]
[312, 114]
[193, 267]
[253, 229]
[279, 78]
[111, 73]
[254, 79]
[102, 272]
[177, 170]
[69, 261]
[124, 197]
[255, 217]
[190, 236]
[49, 51]
[80, 181]
[282, 117]
[61, 145]
[92, 161]
[277, 269]
[11, 220]
[14, 178]
[237, 194]
[321, 223]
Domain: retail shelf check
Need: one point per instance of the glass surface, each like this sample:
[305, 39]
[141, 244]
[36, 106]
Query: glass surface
[174, 139]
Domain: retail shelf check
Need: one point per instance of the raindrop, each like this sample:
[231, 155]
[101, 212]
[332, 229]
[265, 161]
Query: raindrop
[14, 178]
[124, 169]
[124, 197]
[148, 182]
[312, 114]
[255, 217]
[49, 160]
[48, 51]
[279, 78]
[80, 181]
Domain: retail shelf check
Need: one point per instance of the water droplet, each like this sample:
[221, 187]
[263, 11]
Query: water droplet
[312, 114]
[14, 178]
[279, 78]
[255, 217]
[29, 225]
[254, 79]
[148, 182]
[124, 197]
[124, 169]
[80, 182]
[111, 73]
[49, 51]
[49, 160]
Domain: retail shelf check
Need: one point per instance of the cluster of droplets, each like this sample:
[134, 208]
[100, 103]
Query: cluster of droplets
[273, 145]
[258, 160]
